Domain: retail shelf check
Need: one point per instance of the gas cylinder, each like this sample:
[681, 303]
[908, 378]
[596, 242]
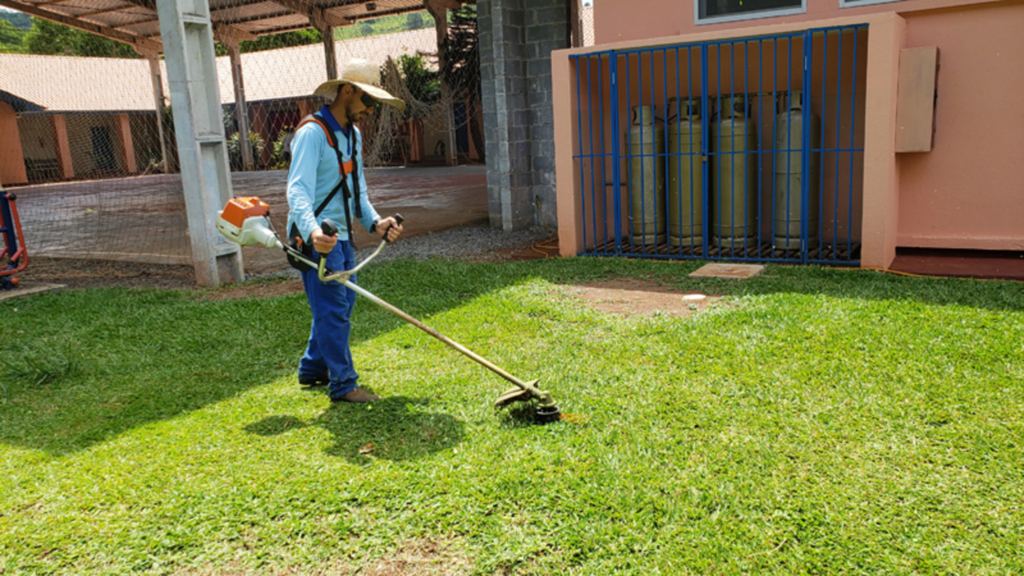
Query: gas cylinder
[646, 177]
[789, 146]
[734, 175]
[685, 173]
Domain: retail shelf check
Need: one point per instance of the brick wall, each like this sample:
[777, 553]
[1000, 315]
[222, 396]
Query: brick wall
[516, 40]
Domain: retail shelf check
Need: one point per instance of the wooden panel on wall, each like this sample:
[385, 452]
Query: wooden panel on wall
[915, 102]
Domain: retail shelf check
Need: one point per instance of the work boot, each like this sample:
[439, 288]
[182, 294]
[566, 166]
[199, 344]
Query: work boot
[357, 396]
[321, 380]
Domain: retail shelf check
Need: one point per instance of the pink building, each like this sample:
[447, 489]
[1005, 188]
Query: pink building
[819, 131]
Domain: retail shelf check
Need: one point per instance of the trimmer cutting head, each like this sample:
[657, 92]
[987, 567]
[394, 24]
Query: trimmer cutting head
[547, 414]
[546, 411]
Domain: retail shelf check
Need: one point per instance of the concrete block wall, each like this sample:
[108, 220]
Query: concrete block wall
[516, 40]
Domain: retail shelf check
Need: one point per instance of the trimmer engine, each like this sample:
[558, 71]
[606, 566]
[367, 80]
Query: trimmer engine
[246, 220]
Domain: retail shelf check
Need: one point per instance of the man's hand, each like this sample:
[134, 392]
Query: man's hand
[390, 227]
[322, 243]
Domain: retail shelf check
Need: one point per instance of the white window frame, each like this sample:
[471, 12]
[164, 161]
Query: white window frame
[854, 3]
[770, 13]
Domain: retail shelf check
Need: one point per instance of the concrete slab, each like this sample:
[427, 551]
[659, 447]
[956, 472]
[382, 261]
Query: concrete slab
[26, 288]
[732, 271]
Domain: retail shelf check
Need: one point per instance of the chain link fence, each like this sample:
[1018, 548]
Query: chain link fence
[88, 136]
[89, 141]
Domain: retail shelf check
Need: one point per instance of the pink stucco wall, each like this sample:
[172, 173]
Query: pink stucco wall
[625, 20]
[12, 164]
[968, 192]
[965, 193]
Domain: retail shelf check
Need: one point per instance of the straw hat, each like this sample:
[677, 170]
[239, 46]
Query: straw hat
[363, 75]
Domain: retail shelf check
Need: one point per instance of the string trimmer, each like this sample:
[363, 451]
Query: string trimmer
[246, 220]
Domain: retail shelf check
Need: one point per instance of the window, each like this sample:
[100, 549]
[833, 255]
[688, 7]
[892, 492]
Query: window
[713, 11]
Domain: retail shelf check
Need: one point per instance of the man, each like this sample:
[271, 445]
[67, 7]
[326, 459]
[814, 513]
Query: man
[326, 180]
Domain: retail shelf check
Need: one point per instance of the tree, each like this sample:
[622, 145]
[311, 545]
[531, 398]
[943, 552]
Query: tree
[21, 21]
[11, 38]
[414, 21]
[424, 84]
[47, 37]
[274, 41]
[283, 40]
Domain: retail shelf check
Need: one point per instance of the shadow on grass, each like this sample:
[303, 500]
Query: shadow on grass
[131, 357]
[394, 428]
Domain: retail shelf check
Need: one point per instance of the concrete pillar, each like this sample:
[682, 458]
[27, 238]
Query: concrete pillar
[124, 138]
[880, 217]
[60, 138]
[516, 40]
[187, 33]
[12, 157]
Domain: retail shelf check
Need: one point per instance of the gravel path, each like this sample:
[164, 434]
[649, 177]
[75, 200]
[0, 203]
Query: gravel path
[482, 243]
[475, 243]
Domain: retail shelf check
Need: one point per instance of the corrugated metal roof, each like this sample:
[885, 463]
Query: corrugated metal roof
[77, 84]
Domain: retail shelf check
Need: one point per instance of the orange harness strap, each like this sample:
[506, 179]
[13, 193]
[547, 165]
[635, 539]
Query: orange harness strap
[345, 168]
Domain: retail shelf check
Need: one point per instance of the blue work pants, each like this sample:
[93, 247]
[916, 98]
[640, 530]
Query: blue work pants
[331, 304]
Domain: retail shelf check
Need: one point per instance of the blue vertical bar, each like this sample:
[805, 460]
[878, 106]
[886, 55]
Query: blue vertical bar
[853, 125]
[760, 149]
[593, 180]
[789, 125]
[705, 147]
[593, 152]
[679, 161]
[632, 117]
[775, 137]
[821, 140]
[629, 154]
[839, 107]
[604, 151]
[805, 153]
[690, 152]
[654, 155]
[718, 151]
[732, 152]
[579, 137]
[613, 65]
[748, 156]
[664, 99]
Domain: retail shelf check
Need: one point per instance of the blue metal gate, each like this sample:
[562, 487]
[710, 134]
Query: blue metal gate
[746, 150]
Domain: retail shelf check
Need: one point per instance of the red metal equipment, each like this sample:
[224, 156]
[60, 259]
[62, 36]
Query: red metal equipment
[14, 242]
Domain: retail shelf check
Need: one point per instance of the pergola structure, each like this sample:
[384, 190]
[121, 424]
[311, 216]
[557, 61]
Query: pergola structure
[516, 40]
[136, 23]
[184, 31]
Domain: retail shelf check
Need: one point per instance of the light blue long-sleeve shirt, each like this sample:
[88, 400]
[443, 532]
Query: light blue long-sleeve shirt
[314, 173]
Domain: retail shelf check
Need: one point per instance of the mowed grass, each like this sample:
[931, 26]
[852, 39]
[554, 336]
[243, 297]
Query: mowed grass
[811, 421]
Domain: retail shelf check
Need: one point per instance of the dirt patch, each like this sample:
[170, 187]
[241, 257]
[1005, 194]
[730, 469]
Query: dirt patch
[421, 558]
[632, 297]
[76, 273]
[266, 289]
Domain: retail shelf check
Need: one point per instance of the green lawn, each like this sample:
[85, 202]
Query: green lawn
[811, 421]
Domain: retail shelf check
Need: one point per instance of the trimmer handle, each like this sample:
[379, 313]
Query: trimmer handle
[398, 220]
[329, 227]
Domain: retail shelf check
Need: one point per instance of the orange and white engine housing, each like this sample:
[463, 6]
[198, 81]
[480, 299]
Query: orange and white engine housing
[246, 220]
